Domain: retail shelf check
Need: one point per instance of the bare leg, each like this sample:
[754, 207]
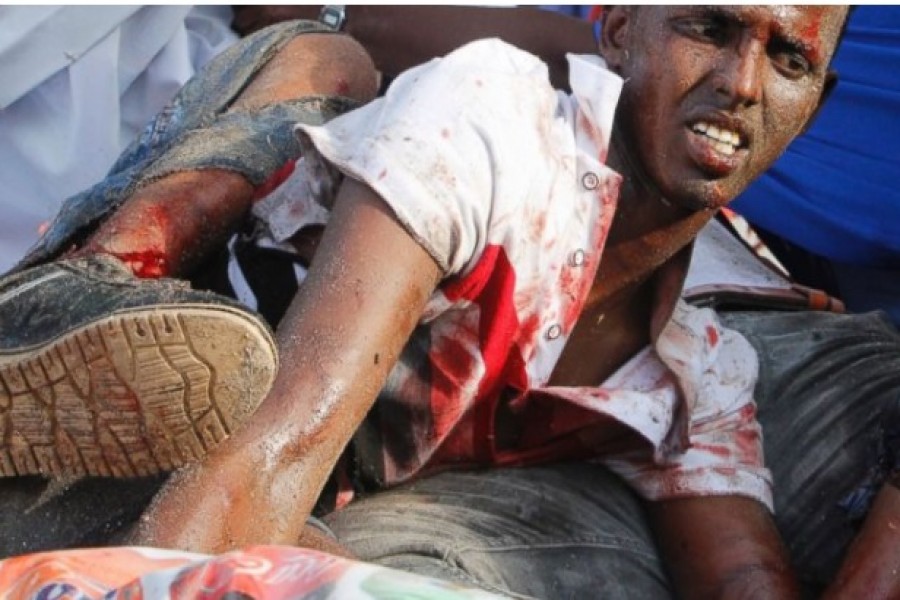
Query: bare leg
[169, 225]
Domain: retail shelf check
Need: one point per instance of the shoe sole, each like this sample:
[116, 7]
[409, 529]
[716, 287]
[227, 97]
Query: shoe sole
[136, 393]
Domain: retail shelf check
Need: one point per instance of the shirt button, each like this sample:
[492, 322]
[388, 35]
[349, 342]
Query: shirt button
[577, 258]
[554, 332]
[590, 181]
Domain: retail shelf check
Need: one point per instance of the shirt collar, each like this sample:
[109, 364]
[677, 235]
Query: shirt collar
[597, 91]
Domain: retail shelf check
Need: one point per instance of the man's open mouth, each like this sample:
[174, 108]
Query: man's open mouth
[723, 140]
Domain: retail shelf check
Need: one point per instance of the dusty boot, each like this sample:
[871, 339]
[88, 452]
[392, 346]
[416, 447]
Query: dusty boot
[102, 373]
[105, 375]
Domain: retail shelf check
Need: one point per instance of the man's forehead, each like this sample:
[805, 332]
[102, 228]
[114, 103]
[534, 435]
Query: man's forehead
[815, 28]
[812, 19]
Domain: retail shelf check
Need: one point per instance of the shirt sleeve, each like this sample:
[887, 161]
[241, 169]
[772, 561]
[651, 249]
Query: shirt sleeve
[450, 140]
[714, 445]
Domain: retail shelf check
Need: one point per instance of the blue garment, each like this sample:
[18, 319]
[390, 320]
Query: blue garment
[579, 11]
[835, 191]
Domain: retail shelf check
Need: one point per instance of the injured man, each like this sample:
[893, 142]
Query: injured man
[484, 370]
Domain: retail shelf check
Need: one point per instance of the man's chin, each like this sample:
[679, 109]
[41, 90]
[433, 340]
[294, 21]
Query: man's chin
[701, 195]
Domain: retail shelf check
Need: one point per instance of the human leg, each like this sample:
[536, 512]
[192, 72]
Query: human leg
[193, 176]
[250, 124]
[196, 165]
[557, 531]
[828, 385]
[198, 193]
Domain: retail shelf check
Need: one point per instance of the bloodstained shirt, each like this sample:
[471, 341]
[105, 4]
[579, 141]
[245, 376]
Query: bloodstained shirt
[503, 181]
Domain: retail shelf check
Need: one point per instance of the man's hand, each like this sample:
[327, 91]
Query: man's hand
[723, 547]
[871, 567]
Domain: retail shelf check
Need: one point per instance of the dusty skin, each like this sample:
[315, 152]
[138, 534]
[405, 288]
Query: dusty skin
[760, 71]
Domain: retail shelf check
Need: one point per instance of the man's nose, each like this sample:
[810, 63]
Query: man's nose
[741, 73]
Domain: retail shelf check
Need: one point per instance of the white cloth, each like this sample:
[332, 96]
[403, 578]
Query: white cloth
[502, 180]
[80, 82]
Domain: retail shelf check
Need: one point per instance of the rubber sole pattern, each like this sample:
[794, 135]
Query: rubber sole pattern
[133, 394]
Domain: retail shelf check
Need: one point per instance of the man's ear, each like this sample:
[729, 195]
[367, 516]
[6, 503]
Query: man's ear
[831, 80]
[614, 36]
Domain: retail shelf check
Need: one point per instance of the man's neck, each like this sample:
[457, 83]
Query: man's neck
[646, 231]
[642, 205]
[637, 283]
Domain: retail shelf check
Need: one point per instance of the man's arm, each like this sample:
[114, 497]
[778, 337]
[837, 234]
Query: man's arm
[871, 567]
[399, 37]
[722, 547]
[364, 294]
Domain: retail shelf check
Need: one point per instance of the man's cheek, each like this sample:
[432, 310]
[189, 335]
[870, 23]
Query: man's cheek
[780, 143]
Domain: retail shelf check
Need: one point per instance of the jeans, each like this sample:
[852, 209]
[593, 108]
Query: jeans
[571, 530]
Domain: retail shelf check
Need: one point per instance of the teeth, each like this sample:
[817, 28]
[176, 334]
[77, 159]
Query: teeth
[727, 141]
[724, 148]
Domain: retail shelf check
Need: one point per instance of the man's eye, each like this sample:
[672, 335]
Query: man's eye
[791, 64]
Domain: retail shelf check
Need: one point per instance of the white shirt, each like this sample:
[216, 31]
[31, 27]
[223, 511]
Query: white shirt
[502, 180]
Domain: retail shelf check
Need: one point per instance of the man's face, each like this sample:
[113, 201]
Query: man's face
[713, 95]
